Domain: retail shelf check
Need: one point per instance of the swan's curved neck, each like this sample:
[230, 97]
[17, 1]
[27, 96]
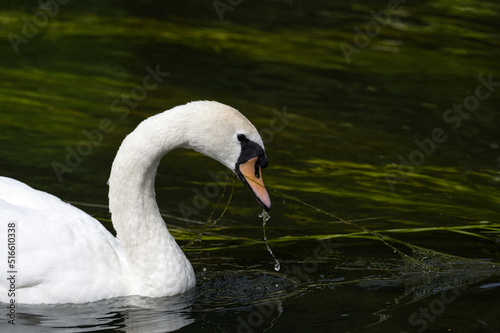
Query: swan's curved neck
[152, 253]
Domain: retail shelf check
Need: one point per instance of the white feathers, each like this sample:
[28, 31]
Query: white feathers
[66, 256]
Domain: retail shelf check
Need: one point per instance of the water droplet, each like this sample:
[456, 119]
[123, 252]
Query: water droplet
[265, 217]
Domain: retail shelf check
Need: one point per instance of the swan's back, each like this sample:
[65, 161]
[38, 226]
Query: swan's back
[60, 250]
[19, 194]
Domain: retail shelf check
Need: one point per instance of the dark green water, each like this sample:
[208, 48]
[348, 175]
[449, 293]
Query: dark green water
[386, 119]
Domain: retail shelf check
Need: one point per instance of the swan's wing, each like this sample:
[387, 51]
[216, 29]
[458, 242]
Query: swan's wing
[61, 253]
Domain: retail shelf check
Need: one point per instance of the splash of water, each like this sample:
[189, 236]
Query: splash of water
[265, 217]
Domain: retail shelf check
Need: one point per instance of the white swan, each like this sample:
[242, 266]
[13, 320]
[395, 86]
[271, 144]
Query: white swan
[63, 255]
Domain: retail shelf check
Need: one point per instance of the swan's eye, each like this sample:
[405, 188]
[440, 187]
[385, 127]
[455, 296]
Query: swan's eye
[242, 138]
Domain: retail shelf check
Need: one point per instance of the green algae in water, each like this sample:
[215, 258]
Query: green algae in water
[265, 217]
[421, 260]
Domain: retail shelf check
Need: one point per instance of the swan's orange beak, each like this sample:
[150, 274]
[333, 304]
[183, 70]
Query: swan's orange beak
[252, 174]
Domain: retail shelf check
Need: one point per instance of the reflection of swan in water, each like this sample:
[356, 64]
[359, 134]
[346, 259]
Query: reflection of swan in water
[66, 256]
[132, 314]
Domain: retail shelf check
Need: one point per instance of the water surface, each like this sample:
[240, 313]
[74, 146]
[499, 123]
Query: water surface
[364, 135]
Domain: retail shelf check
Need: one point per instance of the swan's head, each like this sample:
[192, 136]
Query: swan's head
[224, 134]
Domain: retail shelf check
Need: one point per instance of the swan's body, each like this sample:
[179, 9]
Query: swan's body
[64, 255]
